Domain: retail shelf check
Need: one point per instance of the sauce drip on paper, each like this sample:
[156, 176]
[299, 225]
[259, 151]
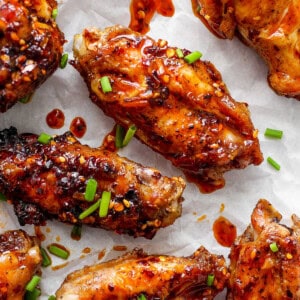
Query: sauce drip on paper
[224, 232]
[142, 11]
[78, 127]
[55, 119]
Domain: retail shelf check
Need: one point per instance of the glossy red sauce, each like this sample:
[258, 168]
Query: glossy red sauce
[119, 248]
[39, 234]
[109, 141]
[55, 119]
[224, 232]
[78, 127]
[142, 11]
[101, 254]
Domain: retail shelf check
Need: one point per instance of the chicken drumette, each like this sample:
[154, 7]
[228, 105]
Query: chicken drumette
[181, 110]
[31, 46]
[270, 27]
[265, 260]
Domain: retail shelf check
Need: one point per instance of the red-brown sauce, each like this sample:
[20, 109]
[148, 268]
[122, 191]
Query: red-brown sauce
[39, 234]
[86, 250]
[58, 267]
[142, 11]
[119, 248]
[78, 127]
[109, 141]
[224, 231]
[101, 254]
[55, 119]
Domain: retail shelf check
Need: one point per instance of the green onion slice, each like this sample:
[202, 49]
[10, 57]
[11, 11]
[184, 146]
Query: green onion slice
[76, 232]
[57, 251]
[129, 135]
[25, 99]
[105, 84]
[2, 197]
[51, 297]
[273, 163]
[274, 133]
[31, 285]
[54, 13]
[90, 189]
[274, 247]
[179, 53]
[64, 60]
[89, 210]
[120, 133]
[46, 260]
[32, 295]
[141, 297]
[104, 204]
[192, 57]
[44, 138]
[210, 279]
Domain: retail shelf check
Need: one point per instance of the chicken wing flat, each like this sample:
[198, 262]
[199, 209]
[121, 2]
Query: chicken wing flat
[45, 181]
[20, 259]
[269, 27]
[265, 260]
[31, 46]
[181, 110]
[154, 276]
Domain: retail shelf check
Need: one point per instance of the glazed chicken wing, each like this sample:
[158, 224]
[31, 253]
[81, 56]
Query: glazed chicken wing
[181, 110]
[270, 27]
[30, 47]
[154, 276]
[45, 181]
[20, 259]
[265, 260]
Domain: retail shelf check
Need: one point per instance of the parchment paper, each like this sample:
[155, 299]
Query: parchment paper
[245, 75]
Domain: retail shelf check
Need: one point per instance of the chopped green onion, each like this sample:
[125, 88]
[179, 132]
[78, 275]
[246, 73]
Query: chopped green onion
[90, 189]
[141, 297]
[89, 210]
[25, 99]
[64, 60]
[210, 279]
[179, 53]
[274, 247]
[129, 135]
[33, 295]
[59, 252]
[120, 133]
[76, 232]
[104, 204]
[31, 285]
[54, 13]
[105, 84]
[44, 138]
[46, 260]
[52, 297]
[2, 197]
[273, 163]
[192, 57]
[274, 133]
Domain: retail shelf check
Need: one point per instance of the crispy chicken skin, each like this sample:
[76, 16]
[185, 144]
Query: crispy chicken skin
[269, 27]
[256, 271]
[45, 181]
[20, 259]
[154, 276]
[183, 111]
[30, 47]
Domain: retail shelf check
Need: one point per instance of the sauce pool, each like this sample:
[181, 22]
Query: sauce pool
[78, 127]
[224, 231]
[55, 119]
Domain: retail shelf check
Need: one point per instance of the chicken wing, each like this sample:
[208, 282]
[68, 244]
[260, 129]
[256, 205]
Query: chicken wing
[270, 27]
[181, 110]
[31, 46]
[45, 181]
[265, 259]
[20, 259]
[154, 276]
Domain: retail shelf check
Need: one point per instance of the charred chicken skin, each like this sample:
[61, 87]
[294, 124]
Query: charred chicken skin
[31, 46]
[20, 259]
[45, 181]
[270, 27]
[181, 110]
[154, 276]
[265, 260]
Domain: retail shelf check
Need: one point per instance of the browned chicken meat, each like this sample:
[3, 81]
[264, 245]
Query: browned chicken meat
[134, 275]
[181, 110]
[270, 27]
[30, 47]
[51, 180]
[265, 259]
[20, 259]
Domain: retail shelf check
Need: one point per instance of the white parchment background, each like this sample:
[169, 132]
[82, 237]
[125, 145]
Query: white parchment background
[245, 75]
